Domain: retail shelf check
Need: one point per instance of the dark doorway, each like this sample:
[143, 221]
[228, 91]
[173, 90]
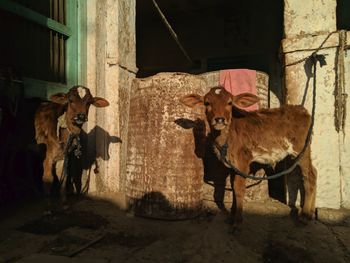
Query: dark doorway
[343, 14]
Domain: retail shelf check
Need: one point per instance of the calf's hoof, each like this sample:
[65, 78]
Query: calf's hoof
[304, 219]
[229, 220]
[294, 213]
[235, 230]
[48, 214]
[222, 208]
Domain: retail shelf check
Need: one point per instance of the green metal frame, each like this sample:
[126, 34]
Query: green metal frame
[75, 31]
[82, 42]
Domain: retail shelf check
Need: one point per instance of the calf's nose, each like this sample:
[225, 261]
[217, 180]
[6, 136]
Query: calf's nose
[220, 120]
[81, 116]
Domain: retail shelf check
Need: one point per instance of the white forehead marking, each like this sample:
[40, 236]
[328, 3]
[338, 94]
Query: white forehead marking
[217, 91]
[81, 92]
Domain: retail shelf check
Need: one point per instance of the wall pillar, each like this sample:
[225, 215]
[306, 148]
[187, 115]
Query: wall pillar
[111, 67]
[344, 137]
[307, 25]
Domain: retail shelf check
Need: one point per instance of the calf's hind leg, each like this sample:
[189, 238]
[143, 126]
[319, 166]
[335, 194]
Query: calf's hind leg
[48, 183]
[309, 180]
[47, 178]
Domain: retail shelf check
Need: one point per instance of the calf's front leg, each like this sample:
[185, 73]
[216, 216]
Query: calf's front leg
[238, 186]
[47, 178]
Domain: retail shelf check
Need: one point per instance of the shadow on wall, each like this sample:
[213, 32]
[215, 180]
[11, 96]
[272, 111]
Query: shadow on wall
[294, 181]
[90, 157]
[76, 165]
[214, 170]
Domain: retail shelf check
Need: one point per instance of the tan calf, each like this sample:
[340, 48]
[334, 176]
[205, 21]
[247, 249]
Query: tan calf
[55, 122]
[266, 136]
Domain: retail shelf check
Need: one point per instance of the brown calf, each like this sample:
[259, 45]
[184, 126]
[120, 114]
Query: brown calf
[265, 136]
[55, 122]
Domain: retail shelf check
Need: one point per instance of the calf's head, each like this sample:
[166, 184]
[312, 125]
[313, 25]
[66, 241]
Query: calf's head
[218, 105]
[77, 102]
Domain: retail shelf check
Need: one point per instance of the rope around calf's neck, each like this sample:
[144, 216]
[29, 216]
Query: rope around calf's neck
[77, 152]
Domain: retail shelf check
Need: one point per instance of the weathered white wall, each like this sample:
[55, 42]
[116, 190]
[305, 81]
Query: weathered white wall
[308, 17]
[111, 66]
[307, 25]
[325, 147]
[345, 140]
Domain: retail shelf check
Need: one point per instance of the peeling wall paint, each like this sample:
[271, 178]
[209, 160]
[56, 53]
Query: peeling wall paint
[309, 17]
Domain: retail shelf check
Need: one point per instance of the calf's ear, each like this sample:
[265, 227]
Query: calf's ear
[100, 102]
[192, 100]
[245, 100]
[60, 98]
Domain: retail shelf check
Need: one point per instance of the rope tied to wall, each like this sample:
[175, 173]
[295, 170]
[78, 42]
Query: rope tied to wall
[340, 92]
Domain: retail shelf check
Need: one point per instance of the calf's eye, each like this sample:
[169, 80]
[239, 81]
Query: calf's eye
[229, 103]
[206, 103]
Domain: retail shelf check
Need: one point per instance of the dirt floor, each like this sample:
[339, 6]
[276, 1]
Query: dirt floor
[97, 231]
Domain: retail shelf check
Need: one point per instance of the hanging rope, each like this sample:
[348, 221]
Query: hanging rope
[171, 30]
[69, 147]
[315, 51]
[340, 92]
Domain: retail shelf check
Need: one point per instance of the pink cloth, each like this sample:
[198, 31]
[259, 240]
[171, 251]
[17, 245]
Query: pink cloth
[237, 81]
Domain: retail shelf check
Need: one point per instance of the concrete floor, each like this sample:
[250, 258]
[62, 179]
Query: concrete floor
[268, 235]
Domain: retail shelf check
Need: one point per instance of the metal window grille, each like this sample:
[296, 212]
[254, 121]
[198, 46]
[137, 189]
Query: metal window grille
[34, 36]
